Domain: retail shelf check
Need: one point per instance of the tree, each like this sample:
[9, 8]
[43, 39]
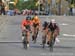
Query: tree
[30, 4]
[71, 5]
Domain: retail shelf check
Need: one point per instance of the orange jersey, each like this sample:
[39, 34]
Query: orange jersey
[36, 21]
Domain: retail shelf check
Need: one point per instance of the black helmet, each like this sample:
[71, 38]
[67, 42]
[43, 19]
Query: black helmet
[45, 22]
[28, 18]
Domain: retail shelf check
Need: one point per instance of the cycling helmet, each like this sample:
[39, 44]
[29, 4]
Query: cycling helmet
[45, 22]
[36, 17]
[28, 18]
[53, 20]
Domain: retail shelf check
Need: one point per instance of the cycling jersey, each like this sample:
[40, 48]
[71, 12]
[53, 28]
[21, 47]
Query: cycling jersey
[51, 27]
[36, 22]
[26, 23]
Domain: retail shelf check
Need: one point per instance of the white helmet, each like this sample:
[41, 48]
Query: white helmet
[53, 20]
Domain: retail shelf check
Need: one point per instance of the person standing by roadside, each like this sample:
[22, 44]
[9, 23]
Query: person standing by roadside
[3, 9]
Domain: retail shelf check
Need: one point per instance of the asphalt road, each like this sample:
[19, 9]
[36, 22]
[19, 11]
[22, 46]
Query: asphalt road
[10, 38]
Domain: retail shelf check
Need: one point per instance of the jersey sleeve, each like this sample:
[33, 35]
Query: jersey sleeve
[22, 23]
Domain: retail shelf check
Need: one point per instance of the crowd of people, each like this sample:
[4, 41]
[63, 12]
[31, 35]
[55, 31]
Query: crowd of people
[31, 24]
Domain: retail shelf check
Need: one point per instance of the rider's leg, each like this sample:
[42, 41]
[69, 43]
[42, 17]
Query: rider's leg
[28, 36]
[43, 35]
[37, 29]
[48, 38]
[22, 35]
[55, 35]
[33, 34]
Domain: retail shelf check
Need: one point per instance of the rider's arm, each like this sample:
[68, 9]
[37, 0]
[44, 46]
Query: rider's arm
[31, 23]
[58, 30]
[39, 25]
[22, 25]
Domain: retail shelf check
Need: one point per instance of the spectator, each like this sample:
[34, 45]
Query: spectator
[3, 9]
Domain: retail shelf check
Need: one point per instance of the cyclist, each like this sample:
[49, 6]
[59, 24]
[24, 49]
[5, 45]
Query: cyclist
[36, 25]
[27, 26]
[45, 25]
[53, 27]
[45, 30]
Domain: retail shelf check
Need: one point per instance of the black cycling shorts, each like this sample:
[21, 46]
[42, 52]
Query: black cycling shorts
[35, 25]
[27, 27]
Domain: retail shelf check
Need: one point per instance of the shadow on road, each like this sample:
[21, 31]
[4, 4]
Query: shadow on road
[38, 46]
[64, 47]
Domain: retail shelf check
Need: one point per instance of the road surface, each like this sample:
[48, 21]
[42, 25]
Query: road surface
[10, 38]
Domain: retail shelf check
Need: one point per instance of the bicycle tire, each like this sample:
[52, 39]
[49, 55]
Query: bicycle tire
[51, 43]
[25, 46]
[25, 43]
[44, 41]
[35, 36]
[51, 46]
[25, 40]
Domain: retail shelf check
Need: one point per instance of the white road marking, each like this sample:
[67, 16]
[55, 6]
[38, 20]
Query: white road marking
[69, 35]
[64, 24]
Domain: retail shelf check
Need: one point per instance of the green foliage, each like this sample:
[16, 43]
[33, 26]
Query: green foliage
[11, 6]
[71, 1]
[30, 4]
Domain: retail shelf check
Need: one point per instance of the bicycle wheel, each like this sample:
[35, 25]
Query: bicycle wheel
[51, 43]
[25, 45]
[51, 46]
[44, 41]
[25, 42]
[35, 35]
